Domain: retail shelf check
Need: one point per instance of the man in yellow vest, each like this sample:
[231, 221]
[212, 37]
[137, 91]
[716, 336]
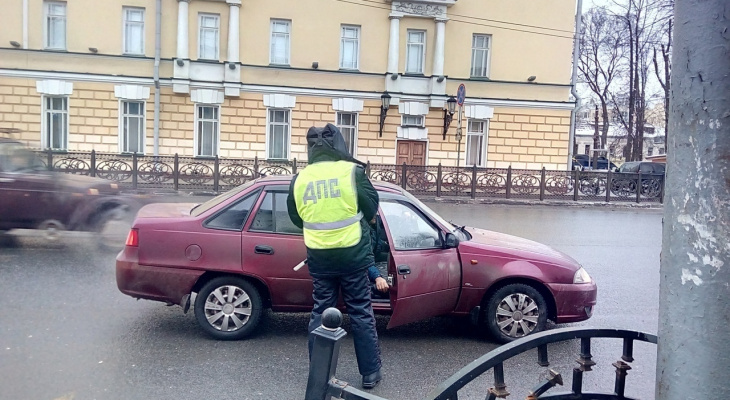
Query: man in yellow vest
[332, 200]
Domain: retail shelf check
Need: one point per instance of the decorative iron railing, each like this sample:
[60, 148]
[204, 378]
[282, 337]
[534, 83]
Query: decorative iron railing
[323, 385]
[134, 171]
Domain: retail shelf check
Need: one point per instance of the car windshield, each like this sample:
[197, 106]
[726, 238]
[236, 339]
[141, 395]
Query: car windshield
[201, 208]
[458, 231]
[16, 158]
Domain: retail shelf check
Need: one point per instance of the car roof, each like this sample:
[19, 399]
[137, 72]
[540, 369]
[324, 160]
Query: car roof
[286, 179]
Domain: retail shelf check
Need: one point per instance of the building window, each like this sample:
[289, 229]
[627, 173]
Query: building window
[133, 31]
[480, 56]
[413, 121]
[280, 31]
[476, 140]
[133, 128]
[55, 25]
[55, 131]
[207, 127]
[347, 122]
[350, 47]
[650, 151]
[588, 149]
[277, 143]
[415, 52]
[208, 36]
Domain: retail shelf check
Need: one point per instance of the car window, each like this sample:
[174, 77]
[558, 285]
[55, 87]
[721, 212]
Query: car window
[408, 228]
[234, 216]
[15, 158]
[201, 208]
[272, 216]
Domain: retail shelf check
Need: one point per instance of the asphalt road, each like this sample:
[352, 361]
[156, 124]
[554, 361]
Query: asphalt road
[67, 333]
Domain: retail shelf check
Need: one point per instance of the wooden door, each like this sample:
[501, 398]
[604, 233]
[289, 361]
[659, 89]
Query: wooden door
[411, 152]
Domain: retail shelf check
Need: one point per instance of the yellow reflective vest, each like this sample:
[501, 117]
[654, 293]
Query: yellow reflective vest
[326, 198]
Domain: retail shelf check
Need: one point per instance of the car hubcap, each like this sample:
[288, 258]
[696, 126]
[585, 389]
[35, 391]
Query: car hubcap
[517, 315]
[228, 308]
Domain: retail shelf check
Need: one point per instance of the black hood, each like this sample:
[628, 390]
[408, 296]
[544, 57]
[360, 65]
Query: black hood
[328, 144]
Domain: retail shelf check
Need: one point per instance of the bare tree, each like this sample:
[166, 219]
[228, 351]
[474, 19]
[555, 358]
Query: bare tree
[600, 59]
[663, 68]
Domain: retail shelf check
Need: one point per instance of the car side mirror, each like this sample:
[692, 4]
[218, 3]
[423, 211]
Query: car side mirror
[451, 241]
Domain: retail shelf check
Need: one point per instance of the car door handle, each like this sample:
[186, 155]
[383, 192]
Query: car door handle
[6, 180]
[261, 249]
[404, 270]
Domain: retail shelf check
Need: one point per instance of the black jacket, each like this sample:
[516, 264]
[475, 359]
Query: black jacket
[342, 261]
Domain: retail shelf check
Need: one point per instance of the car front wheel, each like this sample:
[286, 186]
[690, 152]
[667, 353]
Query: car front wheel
[515, 311]
[228, 308]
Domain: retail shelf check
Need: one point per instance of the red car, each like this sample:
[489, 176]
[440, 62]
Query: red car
[238, 252]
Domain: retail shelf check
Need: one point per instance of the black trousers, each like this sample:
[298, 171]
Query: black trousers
[356, 293]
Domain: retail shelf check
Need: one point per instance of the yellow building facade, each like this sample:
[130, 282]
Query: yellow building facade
[247, 78]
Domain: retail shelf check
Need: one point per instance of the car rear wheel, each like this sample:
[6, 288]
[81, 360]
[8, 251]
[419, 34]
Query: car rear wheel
[228, 308]
[112, 227]
[515, 311]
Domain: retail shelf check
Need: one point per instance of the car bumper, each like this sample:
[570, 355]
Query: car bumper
[574, 302]
[164, 284]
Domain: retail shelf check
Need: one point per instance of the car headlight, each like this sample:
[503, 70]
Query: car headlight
[581, 276]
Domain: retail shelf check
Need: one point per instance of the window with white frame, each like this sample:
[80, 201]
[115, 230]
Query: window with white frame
[412, 121]
[207, 128]
[132, 129]
[280, 32]
[55, 120]
[476, 140]
[347, 122]
[208, 36]
[350, 47]
[415, 51]
[55, 25]
[133, 36]
[480, 56]
[277, 137]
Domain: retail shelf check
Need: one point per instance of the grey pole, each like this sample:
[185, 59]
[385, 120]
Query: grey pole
[693, 359]
[573, 77]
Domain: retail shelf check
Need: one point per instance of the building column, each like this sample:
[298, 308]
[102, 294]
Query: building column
[234, 15]
[394, 44]
[438, 53]
[182, 29]
[181, 67]
[232, 71]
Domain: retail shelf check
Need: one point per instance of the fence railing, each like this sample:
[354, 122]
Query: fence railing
[323, 385]
[220, 174]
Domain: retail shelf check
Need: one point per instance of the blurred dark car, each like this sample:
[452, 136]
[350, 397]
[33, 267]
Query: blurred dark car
[583, 162]
[643, 167]
[31, 197]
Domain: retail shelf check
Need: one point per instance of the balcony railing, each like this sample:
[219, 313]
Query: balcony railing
[138, 172]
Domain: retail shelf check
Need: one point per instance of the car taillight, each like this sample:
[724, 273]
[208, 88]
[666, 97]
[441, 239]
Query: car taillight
[133, 238]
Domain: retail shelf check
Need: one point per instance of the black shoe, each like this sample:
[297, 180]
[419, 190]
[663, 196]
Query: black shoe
[371, 380]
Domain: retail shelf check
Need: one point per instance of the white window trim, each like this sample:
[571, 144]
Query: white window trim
[196, 131]
[268, 132]
[271, 43]
[217, 38]
[342, 46]
[121, 125]
[423, 51]
[357, 128]
[44, 135]
[489, 55]
[485, 144]
[124, 30]
[46, 5]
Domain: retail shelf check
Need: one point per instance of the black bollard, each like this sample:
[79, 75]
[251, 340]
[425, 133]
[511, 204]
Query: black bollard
[326, 350]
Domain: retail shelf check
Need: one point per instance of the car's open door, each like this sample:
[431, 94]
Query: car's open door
[426, 274]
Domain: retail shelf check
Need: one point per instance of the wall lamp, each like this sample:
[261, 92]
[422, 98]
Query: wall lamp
[385, 100]
[449, 113]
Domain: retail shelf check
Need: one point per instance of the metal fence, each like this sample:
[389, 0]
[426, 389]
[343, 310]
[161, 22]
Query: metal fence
[220, 174]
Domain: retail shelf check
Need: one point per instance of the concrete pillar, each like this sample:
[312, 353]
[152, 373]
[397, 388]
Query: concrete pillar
[182, 29]
[438, 53]
[394, 44]
[234, 16]
[694, 298]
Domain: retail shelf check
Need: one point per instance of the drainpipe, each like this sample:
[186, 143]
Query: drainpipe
[576, 55]
[156, 123]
